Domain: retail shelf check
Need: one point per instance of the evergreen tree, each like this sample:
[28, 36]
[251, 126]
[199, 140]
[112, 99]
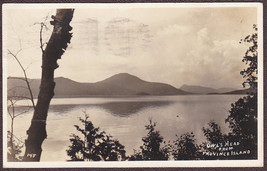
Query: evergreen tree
[151, 148]
[215, 141]
[185, 148]
[96, 145]
[213, 133]
[251, 59]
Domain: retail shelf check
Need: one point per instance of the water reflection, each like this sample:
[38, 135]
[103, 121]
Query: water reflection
[124, 109]
[121, 109]
[63, 109]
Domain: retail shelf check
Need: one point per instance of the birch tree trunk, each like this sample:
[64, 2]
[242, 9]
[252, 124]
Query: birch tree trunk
[56, 46]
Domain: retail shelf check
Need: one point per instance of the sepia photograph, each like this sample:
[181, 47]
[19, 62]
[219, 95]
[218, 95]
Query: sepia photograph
[132, 85]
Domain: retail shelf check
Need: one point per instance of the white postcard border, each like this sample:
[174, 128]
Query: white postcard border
[194, 163]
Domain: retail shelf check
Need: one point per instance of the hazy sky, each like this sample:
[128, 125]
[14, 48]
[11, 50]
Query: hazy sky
[195, 46]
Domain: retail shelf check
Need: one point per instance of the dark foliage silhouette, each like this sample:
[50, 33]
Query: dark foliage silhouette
[251, 59]
[153, 147]
[212, 148]
[96, 145]
[243, 124]
[243, 113]
[185, 148]
[213, 133]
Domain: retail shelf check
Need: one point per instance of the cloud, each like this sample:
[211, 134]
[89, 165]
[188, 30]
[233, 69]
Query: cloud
[203, 37]
[217, 62]
[185, 46]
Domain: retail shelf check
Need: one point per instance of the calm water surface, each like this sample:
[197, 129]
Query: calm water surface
[125, 118]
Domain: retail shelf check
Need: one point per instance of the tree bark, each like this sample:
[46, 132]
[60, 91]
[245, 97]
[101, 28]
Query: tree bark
[55, 48]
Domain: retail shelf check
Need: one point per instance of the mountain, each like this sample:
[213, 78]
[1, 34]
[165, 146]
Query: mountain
[122, 84]
[204, 90]
[137, 86]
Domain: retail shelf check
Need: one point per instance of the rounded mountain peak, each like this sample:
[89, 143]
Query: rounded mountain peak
[121, 78]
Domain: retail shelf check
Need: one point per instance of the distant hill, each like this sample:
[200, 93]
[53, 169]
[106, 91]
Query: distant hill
[245, 91]
[122, 84]
[204, 90]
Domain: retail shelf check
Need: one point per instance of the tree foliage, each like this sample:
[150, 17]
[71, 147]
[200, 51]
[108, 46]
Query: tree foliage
[243, 123]
[213, 133]
[96, 145]
[243, 113]
[251, 58]
[153, 147]
[242, 116]
[185, 147]
[215, 138]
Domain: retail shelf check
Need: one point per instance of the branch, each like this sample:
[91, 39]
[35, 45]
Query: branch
[43, 25]
[11, 106]
[29, 65]
[21, 113]
[25, 75]
[9, 113]
[41, 37]
[12, 101]
[22, 142]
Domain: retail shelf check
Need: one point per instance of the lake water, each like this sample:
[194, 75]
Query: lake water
[125, 118]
